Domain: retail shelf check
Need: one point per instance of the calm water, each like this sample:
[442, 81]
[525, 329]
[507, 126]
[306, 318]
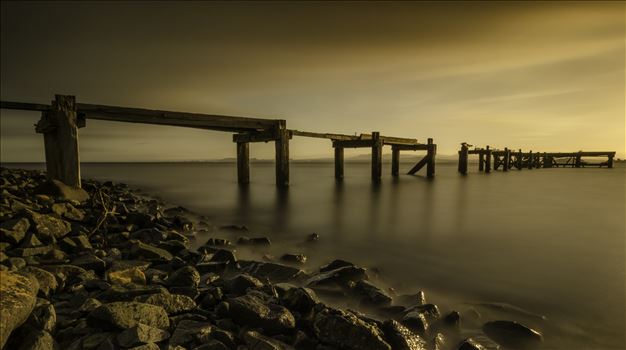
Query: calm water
[550, 241]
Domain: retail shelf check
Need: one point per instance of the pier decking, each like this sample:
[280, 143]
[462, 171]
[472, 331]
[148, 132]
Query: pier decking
[508, 159]
[61, 119]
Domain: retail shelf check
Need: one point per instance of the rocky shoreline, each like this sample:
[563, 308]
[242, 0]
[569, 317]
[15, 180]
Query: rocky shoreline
[105, 267]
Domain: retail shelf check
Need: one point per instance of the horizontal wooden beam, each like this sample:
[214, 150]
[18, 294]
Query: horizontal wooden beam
[24, 106]
[257, 136]
[418, 147]
[353, 143]
[387, 140]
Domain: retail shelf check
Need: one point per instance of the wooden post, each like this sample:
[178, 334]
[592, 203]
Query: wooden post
[519, 159]
[282, 154]
[463, 159]
[481, 161]
[377, 156]
[338, 163]
[530, 160]
[430, 166]
[547, 161]
[395, 161]
[578, 160]
[60, 132]
[610, 161]
[507, 159]
[243, 162]
[488, 160]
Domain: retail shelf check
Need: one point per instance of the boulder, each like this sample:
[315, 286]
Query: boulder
[252, 311]
[416, 322]
[274, 272]
[43, 317]
[257, 341]
[90, 262]
[17, 300]
[13, 231]
[346, 331]
[48, 227]
[189, 332]
[124, 315]
[68, 211]
[186, 276]
[299, 299]
[125, 276]
[253, 241]
[172, 303]
[370, 295]
[299, 259]
[149, 235]
[47, 282]
[141, 250]
[335, 264]
[342, 277]
[512, 334]
[240, 283]
[400, 338]
[141, 334]
[58, 189]
[470, 344]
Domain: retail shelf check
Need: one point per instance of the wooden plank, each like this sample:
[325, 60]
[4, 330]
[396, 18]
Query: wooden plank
[243, 162]
[387, 140]
[255, 136]
[354, 144]
[183, 119]
[338, 163]
[395, 161]
[282, 155]
[59, 126]
[24, 106]
[377, 156]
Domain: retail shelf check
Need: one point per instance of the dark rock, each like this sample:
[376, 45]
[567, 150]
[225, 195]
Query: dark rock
[254, 241]
[430, 311]
[90, 262]
[234, 228]
[274, 272]
[418, 298]
[217, 242]
[15, 263]
[212, 345]
[58, 189]
[299, 259]
[257, 341]
[141, 334]
[129, 292]
[47, 282]
[172, 303]
[416, 322]
[149, 235]
[225, 337]
[38, 340]
[139, 219]
[252, 311]
[313, 237]
[48, 228]
[43, 317]
[14, 230]
[89, 305]
[224, 255]
[343, 277]
[513, 335]
[186, 276]
[215, 267]
[123, 315]
[68, 211]
[346, 331]
[141, 250]
[124, 276]
[470, 344]
[299, 299]
[240, 283]
[188, 333]
[34, 251]
[370, 294]
[17, 300]
[453, 319]
[400, 338]
[149, 346]
[30, 241]
[335, 264]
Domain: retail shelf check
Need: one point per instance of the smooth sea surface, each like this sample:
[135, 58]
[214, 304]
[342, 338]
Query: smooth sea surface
[548, 241]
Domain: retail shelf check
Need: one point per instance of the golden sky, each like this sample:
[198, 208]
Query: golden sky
[532, 75]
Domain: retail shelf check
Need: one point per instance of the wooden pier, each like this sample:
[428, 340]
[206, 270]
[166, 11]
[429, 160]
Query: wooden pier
[61, 120]
[507, 159]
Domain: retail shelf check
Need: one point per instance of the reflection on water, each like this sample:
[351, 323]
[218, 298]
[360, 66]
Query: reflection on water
[550, 240]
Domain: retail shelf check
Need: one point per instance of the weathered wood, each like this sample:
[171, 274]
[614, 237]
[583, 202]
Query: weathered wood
[430, 166]
[417, 167]
[24, 106]
[255, 136]
[462, 167]
[395, 161]
[507, 159]
[481, 161]
[387, 140]
[243, 162]
[519, 160]
[59, 126]
[354, 144]
[487, 160]
[338, 163]
[282, 154]
[530, 163]
[417, 147]
[377, 156]
[609, 162]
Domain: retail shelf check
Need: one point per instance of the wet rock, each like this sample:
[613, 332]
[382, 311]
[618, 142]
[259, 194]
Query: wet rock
[470, 344]
[335, 264]
[299, 259]
[257, 341]
[313, 237]
[186, 276]
[123, 315]
[43, 317]
[149, 235]
[274, 272]
[217, 242]
[139, 219]
[299, 299]
[141, 250]
[513, 334]
[416, 322]
[141, 334]
[58, 189]
[254, 241]
[224, 255]
[47, 282]
[189, 333]
[252, 311]
[370, 294]
[90, 262]
[453, 319]
[68, 211]
[17, 300]
[30, 241]
[439, 342]
[125, 276]
[401, 338]
[172, 303]
[343, 277]
[214, 267]
[418, 298]
[225, 337]
[38, 340]
[430, 311]
[239, 284]
[346, 331]
[13, 231]
[47, 227]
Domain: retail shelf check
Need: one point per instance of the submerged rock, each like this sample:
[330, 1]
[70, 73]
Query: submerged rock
[17, 300]
[274, 272]
[299, 259]
[513, 335]
[347, 331]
